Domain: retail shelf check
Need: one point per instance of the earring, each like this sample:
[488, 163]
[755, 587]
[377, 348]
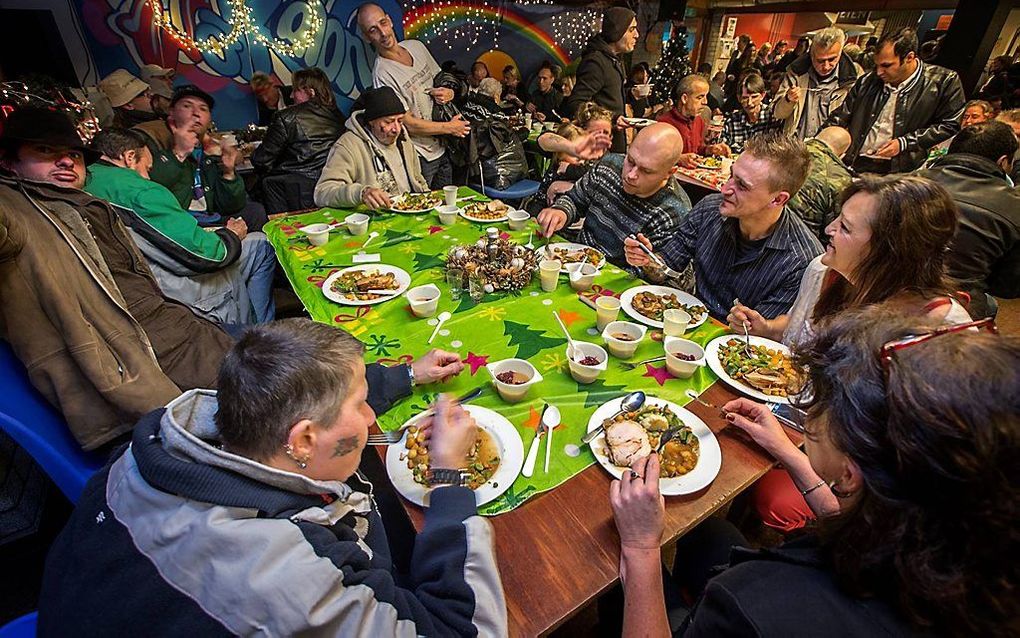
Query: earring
[838, 492]
[301, 463]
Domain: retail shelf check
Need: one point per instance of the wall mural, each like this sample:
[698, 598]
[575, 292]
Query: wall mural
[122, 34]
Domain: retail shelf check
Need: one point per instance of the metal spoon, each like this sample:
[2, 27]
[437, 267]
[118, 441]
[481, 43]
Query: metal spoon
[443, 318]
[631, 402]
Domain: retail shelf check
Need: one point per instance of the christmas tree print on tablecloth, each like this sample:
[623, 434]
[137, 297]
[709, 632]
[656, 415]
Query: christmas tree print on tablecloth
[529, 342]
[423, 261]
[393, 237]
[599, 392]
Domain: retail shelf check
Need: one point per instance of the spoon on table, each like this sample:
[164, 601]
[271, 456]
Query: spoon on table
[529, 245]
[570, 340]
[372, 235]
[550, 419]
[630, 402]
[529, 462]
[443, 318]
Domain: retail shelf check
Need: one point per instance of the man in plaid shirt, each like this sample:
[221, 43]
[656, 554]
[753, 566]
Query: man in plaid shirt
[753, 117]
[624, 194]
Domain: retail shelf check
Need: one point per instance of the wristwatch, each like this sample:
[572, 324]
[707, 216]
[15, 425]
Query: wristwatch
[447, 477]
[410, 374]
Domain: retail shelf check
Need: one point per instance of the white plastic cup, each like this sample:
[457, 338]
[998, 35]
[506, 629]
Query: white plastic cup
[549, 273]
[318, 234]
[581, 373]
[678, 367]
[450, 194]
[518, 219]
[424, 300]
[626, 347]
[581, 276]
[675, 322]
[447, 214]
[357, 223]
[527, 120]
[607, 309]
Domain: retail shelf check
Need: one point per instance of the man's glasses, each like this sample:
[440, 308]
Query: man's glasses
[890, 348]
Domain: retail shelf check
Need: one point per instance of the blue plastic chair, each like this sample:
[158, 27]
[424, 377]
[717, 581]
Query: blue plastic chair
[38, 428]
[516, 191]
[23, 627]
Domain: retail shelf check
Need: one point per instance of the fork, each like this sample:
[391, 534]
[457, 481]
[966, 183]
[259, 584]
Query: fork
[626, 365]
[747, 336]
[669, 272]
[393, 436]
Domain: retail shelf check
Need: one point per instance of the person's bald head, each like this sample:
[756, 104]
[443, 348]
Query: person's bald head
[376, 26]
[651, 159]
[835, 137]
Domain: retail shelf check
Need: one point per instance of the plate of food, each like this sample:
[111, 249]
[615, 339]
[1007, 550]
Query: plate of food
[638, 122]
[495, 462]
[350, 286]
[767, 375]
[646, 304]
[710, 163]
[569, 253]
[412, 203]
[688, 462]
[486, 212]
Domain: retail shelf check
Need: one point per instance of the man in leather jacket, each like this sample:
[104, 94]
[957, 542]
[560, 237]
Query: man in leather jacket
[899, 111]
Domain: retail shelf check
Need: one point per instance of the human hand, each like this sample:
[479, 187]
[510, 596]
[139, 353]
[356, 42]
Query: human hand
[458, 127]
[688, 160]
[436, 365]
[889, 150]
[540, 116]
[762, 426]
[621, 123]
[793, 94]
[756, 324]
[635, 93]
[556, 189]
[237, 226]
[531, 108]
[638, 506]
[185, 139]
[591, 145]
[551, 220]
[229, 157]
[718, 149]
[376, 198]
[441, 95]
[450, 433]
[632, 250]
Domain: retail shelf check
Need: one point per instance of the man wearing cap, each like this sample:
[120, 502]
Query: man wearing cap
[600, 75]
[161, 86]
[197, 169]
[409, 68]
[374, 159]
[80, 306]
[130, 98]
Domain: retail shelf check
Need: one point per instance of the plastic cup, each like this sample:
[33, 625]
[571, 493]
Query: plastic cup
[447, 214]
[518, 219]
[318, 234]
[680, 368]
[607, 310]
[455, 279]
[585, 374]
[527, 120]
[623, 338]
[549, 273]
[675, 322]
[450, 194]
[357, 224]
[424, 300]
[581, 276]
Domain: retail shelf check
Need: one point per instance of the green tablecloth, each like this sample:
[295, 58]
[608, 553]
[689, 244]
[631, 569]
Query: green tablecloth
[500, 326]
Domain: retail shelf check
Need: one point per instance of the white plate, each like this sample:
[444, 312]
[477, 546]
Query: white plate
[627, 298]
[400, 198]
[403, 279]
[638, 122]
[709, 457]
[564, 245]
[464, 214]
[712, 356]
[511, 460]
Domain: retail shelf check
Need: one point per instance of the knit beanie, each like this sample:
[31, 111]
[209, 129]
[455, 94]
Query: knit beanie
[381, 102]
[615, 22]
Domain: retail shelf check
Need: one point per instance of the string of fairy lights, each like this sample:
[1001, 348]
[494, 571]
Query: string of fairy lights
[15, 95]
[572, 29]
[242, 21]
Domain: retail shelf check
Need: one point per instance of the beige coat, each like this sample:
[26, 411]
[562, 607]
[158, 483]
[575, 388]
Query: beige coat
[797, 75]
[351, 167]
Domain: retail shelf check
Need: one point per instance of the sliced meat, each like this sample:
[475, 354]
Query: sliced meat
[626, 441]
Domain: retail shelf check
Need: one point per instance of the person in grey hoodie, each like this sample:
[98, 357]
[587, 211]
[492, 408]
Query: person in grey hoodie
[374, 159]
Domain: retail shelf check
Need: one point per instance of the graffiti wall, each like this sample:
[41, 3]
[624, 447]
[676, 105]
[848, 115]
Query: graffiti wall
[121, 34]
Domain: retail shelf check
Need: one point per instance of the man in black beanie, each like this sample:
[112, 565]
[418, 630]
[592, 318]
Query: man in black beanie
[374, 159]
[601, 75]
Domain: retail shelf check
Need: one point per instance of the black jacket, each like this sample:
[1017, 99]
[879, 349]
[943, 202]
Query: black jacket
[928, 113]
[299, 139]
[985, 256]
[600, 79]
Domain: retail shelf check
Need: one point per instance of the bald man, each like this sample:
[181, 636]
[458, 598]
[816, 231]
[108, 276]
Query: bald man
[623, 194]
[817, 201]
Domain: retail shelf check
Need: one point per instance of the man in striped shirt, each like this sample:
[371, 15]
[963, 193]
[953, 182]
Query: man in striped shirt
[743, 243]
[624, 194]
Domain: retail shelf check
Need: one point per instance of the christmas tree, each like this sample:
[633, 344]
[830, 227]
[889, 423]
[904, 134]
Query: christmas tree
[672, 67]
[529, 342]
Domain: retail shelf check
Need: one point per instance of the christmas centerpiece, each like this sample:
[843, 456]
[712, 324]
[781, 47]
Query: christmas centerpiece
[500, 263]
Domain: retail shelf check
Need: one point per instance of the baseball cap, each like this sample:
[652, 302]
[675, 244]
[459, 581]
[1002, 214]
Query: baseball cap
[190, 90]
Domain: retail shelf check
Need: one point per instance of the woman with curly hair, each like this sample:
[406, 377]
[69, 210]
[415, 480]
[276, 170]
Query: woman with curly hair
[916, 428]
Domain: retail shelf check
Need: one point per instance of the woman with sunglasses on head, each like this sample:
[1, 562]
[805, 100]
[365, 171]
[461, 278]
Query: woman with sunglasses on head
[918, 437]
[887, 244]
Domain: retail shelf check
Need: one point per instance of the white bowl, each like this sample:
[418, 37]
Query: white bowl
[318, 234]
[581, 275]
[447, 214]
[620, 348]
[678, 367]
[424, 300]
[518, 219]
[512, 393]
[586, 374]
[357, 223]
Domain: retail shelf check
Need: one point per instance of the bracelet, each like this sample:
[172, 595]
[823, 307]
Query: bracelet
[410, 374]
[812, 488]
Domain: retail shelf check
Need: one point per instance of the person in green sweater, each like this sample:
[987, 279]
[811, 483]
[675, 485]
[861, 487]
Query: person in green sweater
[224, 274]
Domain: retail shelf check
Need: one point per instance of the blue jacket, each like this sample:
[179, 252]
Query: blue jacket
[178, 537]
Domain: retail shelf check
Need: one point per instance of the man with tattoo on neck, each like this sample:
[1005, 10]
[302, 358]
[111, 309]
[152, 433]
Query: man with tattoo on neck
[243, 512]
